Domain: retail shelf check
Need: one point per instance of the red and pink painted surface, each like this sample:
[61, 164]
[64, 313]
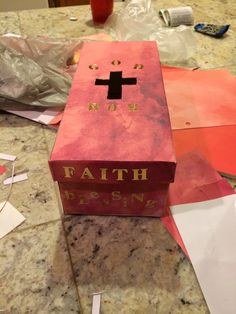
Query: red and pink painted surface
[216, 144]
[116, 127]
[113, 200]
[195, 181]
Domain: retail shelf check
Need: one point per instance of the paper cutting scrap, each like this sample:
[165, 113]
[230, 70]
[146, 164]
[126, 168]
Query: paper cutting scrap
[7, 157]
[10, 218]
[16, 178]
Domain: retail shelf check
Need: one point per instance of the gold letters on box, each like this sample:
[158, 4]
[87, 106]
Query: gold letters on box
[119, 174]
[138, 66]
[115, 196]
[93, 66]
[93, 106]
[112, 107]
[132, 107]
[116, 62]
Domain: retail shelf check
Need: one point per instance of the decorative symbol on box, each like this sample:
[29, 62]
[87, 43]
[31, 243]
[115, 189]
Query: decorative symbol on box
[132, 107]
[138, 66]
[115, 83]
[116, 62]
[112, 107]
[93, 106]
[93, 66]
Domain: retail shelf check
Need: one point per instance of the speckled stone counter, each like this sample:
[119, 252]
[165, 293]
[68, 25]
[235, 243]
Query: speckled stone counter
[51, 263]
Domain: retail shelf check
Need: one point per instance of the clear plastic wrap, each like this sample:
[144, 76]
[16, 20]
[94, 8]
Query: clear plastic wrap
[138, 20]
[33, 70]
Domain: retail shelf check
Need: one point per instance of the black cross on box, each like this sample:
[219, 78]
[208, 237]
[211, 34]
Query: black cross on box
[115, 83]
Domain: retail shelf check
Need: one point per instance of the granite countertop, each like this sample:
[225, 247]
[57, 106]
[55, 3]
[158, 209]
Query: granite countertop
[51, 263]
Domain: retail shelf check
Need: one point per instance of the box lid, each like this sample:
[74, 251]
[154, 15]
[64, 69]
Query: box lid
[116, 123]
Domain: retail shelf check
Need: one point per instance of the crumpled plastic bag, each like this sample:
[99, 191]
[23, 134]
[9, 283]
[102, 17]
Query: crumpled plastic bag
[33, 70]
[137, 20]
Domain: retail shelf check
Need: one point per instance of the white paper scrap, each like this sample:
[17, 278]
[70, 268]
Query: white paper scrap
[28, 114]
[208, 230]
[17, 178]
[7, 157]
[10, 218]
[48, 115]
[96, 303]
[38, 116]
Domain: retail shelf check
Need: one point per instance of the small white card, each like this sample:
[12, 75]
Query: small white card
[7, 157]
[96, 303]
[18, 178]
[10, 218]
[38, 116]
[208, 230]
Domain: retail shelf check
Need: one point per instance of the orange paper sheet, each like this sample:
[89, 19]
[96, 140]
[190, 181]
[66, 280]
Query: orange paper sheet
[200, 98]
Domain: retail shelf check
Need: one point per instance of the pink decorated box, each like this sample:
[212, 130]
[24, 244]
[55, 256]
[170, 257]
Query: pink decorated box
[114, 154]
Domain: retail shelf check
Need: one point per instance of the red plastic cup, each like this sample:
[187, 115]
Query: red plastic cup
[101, 9]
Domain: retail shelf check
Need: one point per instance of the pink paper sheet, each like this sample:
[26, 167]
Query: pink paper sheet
[200, 98]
